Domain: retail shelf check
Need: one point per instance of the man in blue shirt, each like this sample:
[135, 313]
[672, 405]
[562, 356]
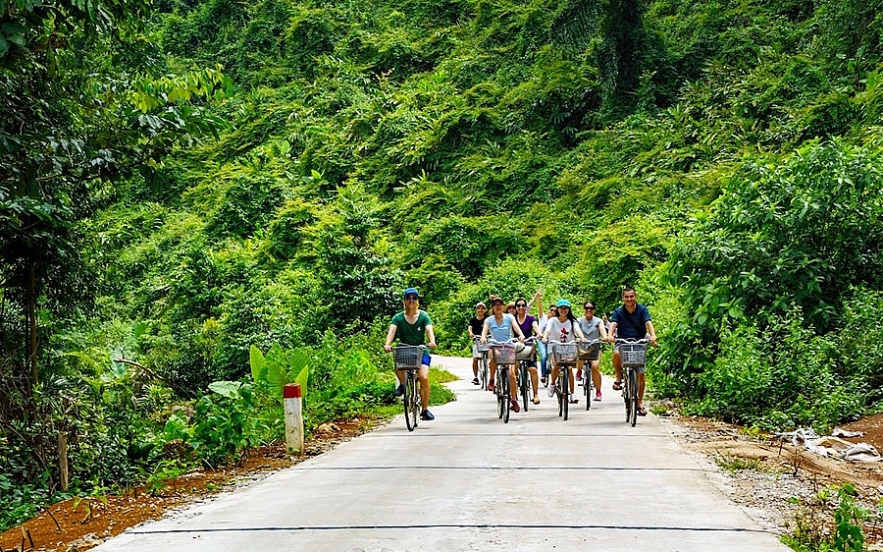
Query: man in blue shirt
[631, 321]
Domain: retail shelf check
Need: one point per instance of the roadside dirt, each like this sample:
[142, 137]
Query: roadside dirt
[777, 483]
[762, 474]
[77, 525]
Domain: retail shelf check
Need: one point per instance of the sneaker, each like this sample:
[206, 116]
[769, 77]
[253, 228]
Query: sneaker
[551, 390]
[579, 376]
[598, 397]
[427, 415]
[490, 387]
[543, 380]
[515, 407]
[571, 400]
[400, 390]
[475, 381]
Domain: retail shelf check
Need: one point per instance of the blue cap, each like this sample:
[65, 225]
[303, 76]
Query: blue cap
[563, 303]
[411, 291]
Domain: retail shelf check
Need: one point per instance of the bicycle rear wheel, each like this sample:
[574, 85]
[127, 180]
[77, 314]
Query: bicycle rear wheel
[633, 397]
[411, 400]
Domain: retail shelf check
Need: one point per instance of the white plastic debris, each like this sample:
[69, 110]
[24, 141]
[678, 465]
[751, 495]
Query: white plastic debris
[833, 446]
[861, 452]
[840, 432]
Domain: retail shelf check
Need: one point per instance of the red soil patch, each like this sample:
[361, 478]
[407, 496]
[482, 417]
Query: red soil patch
[872, 426]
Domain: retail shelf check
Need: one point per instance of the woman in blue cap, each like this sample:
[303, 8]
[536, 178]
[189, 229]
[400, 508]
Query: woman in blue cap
[412, 325]
[564, 329]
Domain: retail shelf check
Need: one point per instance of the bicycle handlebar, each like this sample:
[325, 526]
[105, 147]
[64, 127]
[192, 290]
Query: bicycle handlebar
[576, 340]
[406, 346]
[511, 341]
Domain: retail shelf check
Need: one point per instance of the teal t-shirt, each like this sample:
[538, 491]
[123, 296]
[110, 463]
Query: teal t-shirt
[411, 334]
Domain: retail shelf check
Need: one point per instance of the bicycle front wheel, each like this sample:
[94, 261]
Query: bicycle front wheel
[587, 387]
[525, 385]
[484, 371]
[565, 391]
[498, 390]
[507, 395]
[633, 397]
[411, 400]
[560, 393]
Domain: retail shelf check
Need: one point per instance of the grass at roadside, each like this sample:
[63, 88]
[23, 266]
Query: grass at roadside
[438, 393]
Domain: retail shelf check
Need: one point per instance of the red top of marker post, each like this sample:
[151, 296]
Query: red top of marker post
[291, 391]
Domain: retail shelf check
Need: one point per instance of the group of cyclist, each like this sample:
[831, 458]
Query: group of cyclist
[630, 320]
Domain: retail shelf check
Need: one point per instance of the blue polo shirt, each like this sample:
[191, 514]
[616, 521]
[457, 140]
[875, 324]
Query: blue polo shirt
[631, 326]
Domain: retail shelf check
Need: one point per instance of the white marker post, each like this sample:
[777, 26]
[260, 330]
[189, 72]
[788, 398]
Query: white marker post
[294, 418]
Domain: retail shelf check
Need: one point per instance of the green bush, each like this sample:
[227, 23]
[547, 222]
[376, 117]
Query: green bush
[785, 237]
[783, 376]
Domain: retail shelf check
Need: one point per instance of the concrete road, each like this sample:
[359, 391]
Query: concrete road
[466, 481]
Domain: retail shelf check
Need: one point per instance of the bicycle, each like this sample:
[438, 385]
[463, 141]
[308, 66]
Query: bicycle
[588, 351]
[504, 356]
[633, 353]
[524, 387]
[564, 355]
[408, 358]
[483, 368]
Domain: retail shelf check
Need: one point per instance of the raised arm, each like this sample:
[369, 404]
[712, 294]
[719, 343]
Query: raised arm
[538, 297]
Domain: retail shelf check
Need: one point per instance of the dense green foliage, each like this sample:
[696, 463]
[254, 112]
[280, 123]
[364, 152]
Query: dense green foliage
[159, 222]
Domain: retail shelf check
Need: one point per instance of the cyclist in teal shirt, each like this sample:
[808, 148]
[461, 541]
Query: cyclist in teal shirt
[412, 325]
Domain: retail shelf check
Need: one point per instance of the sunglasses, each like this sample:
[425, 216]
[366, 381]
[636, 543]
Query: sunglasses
[521, 306]
[410, 298]
[589, 308]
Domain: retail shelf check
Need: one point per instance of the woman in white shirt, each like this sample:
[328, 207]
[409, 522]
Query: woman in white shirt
[564, 329]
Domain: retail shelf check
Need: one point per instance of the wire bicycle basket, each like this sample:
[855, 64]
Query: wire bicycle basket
[504, 353]
[408, 357]
[633, 354]
[564, 353]
[589, 351]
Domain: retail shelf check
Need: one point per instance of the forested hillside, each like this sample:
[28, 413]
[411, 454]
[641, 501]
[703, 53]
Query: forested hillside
[239, 191]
